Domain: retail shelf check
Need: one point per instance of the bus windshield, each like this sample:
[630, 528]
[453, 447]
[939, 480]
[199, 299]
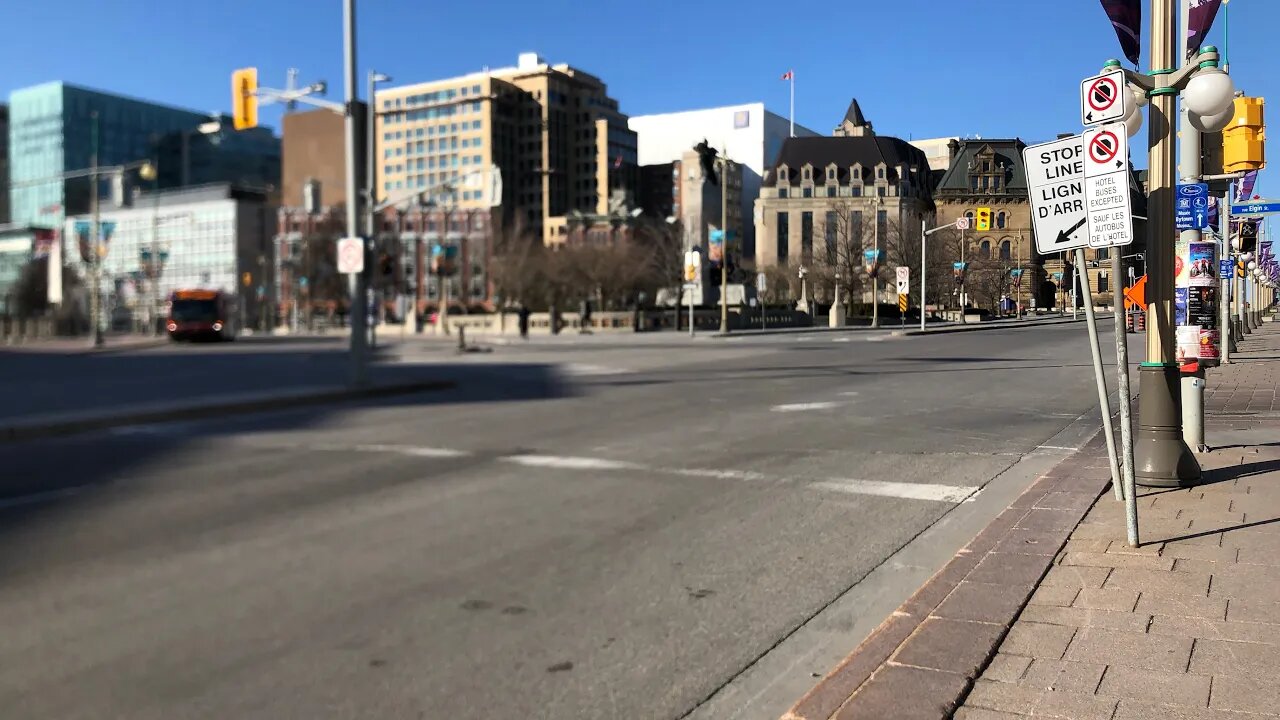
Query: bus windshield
[194, 311]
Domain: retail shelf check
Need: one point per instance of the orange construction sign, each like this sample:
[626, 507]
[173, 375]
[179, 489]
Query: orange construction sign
[1136, 296]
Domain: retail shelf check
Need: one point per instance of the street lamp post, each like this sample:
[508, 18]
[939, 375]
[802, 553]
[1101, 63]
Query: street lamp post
[95, 256]
[1161, 457]
[370, 194]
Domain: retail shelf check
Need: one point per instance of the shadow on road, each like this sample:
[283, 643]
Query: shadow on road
[54, 475]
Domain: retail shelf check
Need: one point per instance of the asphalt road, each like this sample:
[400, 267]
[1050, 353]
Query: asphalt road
[604, 530]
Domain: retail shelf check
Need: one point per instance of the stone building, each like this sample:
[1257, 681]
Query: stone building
[816, 195]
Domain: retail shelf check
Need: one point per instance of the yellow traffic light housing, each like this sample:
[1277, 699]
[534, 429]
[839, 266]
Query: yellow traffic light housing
[983, 219]
[1244, 140]
[244, 101]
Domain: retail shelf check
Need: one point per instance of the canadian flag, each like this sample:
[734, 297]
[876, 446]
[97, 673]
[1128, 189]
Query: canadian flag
[789, 75]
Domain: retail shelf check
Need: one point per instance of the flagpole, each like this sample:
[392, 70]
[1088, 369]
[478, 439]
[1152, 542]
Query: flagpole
[793, 102]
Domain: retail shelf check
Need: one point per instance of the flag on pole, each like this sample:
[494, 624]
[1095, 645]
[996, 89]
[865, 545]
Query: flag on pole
[1245, 189]
[1199, 21]
[790, 76]
[1126, 18]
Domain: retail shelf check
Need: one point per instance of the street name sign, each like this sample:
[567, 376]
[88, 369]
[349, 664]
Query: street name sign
[350, 255]
[1103, 98]
[1191, 208]
[1265, 207]
[1055, 181]
[1106, 186]
[904, 279]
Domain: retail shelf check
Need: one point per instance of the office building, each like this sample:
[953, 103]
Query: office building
[749, 134]
[215, 237]
[51, 132]
[314, 149]
[939, 151]
[245, 158]
[559, 139]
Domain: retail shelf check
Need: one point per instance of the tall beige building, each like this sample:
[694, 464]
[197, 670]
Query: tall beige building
[558, 137]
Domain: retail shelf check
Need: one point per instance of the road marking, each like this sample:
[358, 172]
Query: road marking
[803, 407]
[413, 450]
[912, 491]
[849, 393]
[583, 369]
[1055, 447]
[571, 463]
[842, 340]
[717, 474]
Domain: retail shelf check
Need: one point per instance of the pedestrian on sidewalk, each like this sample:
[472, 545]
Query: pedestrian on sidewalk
[584, 316]
[524, 321]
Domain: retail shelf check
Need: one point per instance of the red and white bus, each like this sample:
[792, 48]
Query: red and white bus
[201, 314]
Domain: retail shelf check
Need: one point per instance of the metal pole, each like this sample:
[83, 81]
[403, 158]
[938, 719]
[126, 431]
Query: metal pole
[368, 182]
[924, 250]
[1224, 284]
[154, 315]
[964, 270]
[1189, 172]
[1126, 421]
[1161, 458]
[357, 282]
[95, 257]
[691, 332]
[1103, 403]
[724, 240]
[875, 280]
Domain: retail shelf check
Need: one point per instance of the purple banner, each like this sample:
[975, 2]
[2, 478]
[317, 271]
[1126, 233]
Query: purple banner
[1126, 18]
[1244, 190]
[1202, 14]
[1264, 253]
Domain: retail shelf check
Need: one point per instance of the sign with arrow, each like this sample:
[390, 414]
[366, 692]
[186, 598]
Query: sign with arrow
[1103, 98]
[1191, 208]
[1106, 185]
[1055, 182]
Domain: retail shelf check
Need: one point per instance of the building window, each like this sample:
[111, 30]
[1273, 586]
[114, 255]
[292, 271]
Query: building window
[881, 190]
[986, 166]
[806, 174]
[831, 173]
[968, 214]
[1006, 250]
[784, 238]
[806, 236]
[882, 226]
[880, 173]
[1001, 219]
[855, 229]
[984, 250]
[856, 191]
[973, 183]
[807, 192]
[831, 191]
[782, 192]
[830, 227]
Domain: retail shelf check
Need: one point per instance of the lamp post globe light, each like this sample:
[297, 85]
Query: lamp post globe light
[1161, 456]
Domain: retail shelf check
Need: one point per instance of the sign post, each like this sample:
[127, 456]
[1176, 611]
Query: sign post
[902, 274]
[692, 280]
[762, 284]
[1079, 191]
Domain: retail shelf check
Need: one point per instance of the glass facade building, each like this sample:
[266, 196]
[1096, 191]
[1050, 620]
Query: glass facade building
[50, 132]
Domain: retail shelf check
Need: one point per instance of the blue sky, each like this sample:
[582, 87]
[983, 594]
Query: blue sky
[919, 68]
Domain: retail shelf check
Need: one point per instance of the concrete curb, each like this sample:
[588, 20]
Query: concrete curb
[71, 424]
[107, 349]
[997, 325]
[923, 659]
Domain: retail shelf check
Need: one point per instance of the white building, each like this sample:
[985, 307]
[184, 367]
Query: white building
[750, 135]
[214, 237]
[938, 150]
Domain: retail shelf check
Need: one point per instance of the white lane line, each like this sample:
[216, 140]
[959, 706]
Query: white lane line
[849, 393]
[571, 463]
[845, 339]
[1056, 447]
[912, 491]
[412, 450]
[583, 369]
[717, 474]
[804, 407]
[41, 497]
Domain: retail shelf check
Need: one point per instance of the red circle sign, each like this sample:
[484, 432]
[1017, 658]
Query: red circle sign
[1103, 147]
[1102, 94]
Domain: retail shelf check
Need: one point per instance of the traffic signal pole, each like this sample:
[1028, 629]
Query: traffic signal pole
[358, 281]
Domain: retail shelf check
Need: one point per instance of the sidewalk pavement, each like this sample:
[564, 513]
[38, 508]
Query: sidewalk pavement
[1049, 612]
[81, 346]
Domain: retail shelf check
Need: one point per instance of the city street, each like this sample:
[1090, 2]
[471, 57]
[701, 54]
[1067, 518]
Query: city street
[650, 527]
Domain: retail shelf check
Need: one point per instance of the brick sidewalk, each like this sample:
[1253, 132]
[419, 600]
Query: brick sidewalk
[1186, 626]
[1049, 613]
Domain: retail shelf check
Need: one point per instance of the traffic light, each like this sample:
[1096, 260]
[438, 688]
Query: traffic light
[1244, 140]
[244, 103]
[983, 218]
